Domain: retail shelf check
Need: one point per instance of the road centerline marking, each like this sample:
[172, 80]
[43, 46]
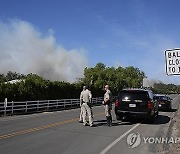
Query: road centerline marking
[42, 127]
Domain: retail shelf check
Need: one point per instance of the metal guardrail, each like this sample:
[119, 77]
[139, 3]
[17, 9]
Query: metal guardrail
[10, 108]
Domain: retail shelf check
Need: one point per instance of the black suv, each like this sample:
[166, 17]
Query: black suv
[137, 103]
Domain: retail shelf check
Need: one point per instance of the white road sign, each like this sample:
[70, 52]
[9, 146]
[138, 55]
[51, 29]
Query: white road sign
[172, 62]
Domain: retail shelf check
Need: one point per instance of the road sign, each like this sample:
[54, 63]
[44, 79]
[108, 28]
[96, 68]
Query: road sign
[172, 62]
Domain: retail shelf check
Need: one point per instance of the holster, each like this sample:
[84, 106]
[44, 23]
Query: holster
[107, 103]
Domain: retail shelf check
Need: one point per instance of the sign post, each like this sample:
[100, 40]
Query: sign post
[172, 62]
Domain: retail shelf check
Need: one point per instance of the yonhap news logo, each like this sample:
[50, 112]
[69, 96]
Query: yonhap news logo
[135, 139]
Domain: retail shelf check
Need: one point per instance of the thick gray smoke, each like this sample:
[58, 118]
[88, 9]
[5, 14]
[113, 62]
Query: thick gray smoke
[149, 83]
[26, 50]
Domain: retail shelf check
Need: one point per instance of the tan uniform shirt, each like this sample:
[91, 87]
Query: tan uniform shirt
[85, 96]
[108, 96]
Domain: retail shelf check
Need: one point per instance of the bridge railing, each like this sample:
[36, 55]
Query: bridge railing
[10, 108]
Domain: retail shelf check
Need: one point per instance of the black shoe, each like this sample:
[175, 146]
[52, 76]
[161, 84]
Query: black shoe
[109, 121]
[80, 121]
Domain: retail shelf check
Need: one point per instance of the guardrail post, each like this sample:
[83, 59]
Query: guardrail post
[12, 107]
[64, 104]
[48, 105]
[57, 104]
[4, 109]
[78, 102]
[38, 105]
[5, 106]
[71, 103]
[26, 107]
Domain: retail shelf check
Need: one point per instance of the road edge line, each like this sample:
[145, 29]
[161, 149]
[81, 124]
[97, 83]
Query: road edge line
[118, 139]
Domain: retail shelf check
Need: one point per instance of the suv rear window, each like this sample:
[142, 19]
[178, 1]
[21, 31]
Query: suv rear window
[133, 95]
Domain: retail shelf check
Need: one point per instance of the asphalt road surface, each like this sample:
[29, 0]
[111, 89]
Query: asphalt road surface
[59, 132]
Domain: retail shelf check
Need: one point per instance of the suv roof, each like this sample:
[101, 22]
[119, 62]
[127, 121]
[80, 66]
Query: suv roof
[136, 89]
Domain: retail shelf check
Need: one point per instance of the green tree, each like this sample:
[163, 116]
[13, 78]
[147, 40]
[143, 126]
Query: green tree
[13, 75]
[117, 78]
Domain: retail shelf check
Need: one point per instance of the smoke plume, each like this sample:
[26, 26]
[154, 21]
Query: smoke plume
[25, 50]
[150, 82]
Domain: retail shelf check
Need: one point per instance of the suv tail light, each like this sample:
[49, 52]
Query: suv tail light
[150, 105]
[116, 103]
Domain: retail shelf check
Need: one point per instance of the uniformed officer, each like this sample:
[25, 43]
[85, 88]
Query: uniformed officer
[85, 100]
[81, 112]
[107, 102]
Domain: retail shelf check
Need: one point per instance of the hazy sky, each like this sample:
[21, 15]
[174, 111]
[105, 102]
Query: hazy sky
[114, 32]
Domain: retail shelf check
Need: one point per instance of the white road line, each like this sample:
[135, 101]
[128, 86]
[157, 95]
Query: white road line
[118, 139]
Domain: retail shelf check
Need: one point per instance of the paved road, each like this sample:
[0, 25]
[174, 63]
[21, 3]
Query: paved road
[59, 132]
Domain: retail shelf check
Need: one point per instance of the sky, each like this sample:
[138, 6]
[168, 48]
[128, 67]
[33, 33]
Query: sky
[59, 38]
